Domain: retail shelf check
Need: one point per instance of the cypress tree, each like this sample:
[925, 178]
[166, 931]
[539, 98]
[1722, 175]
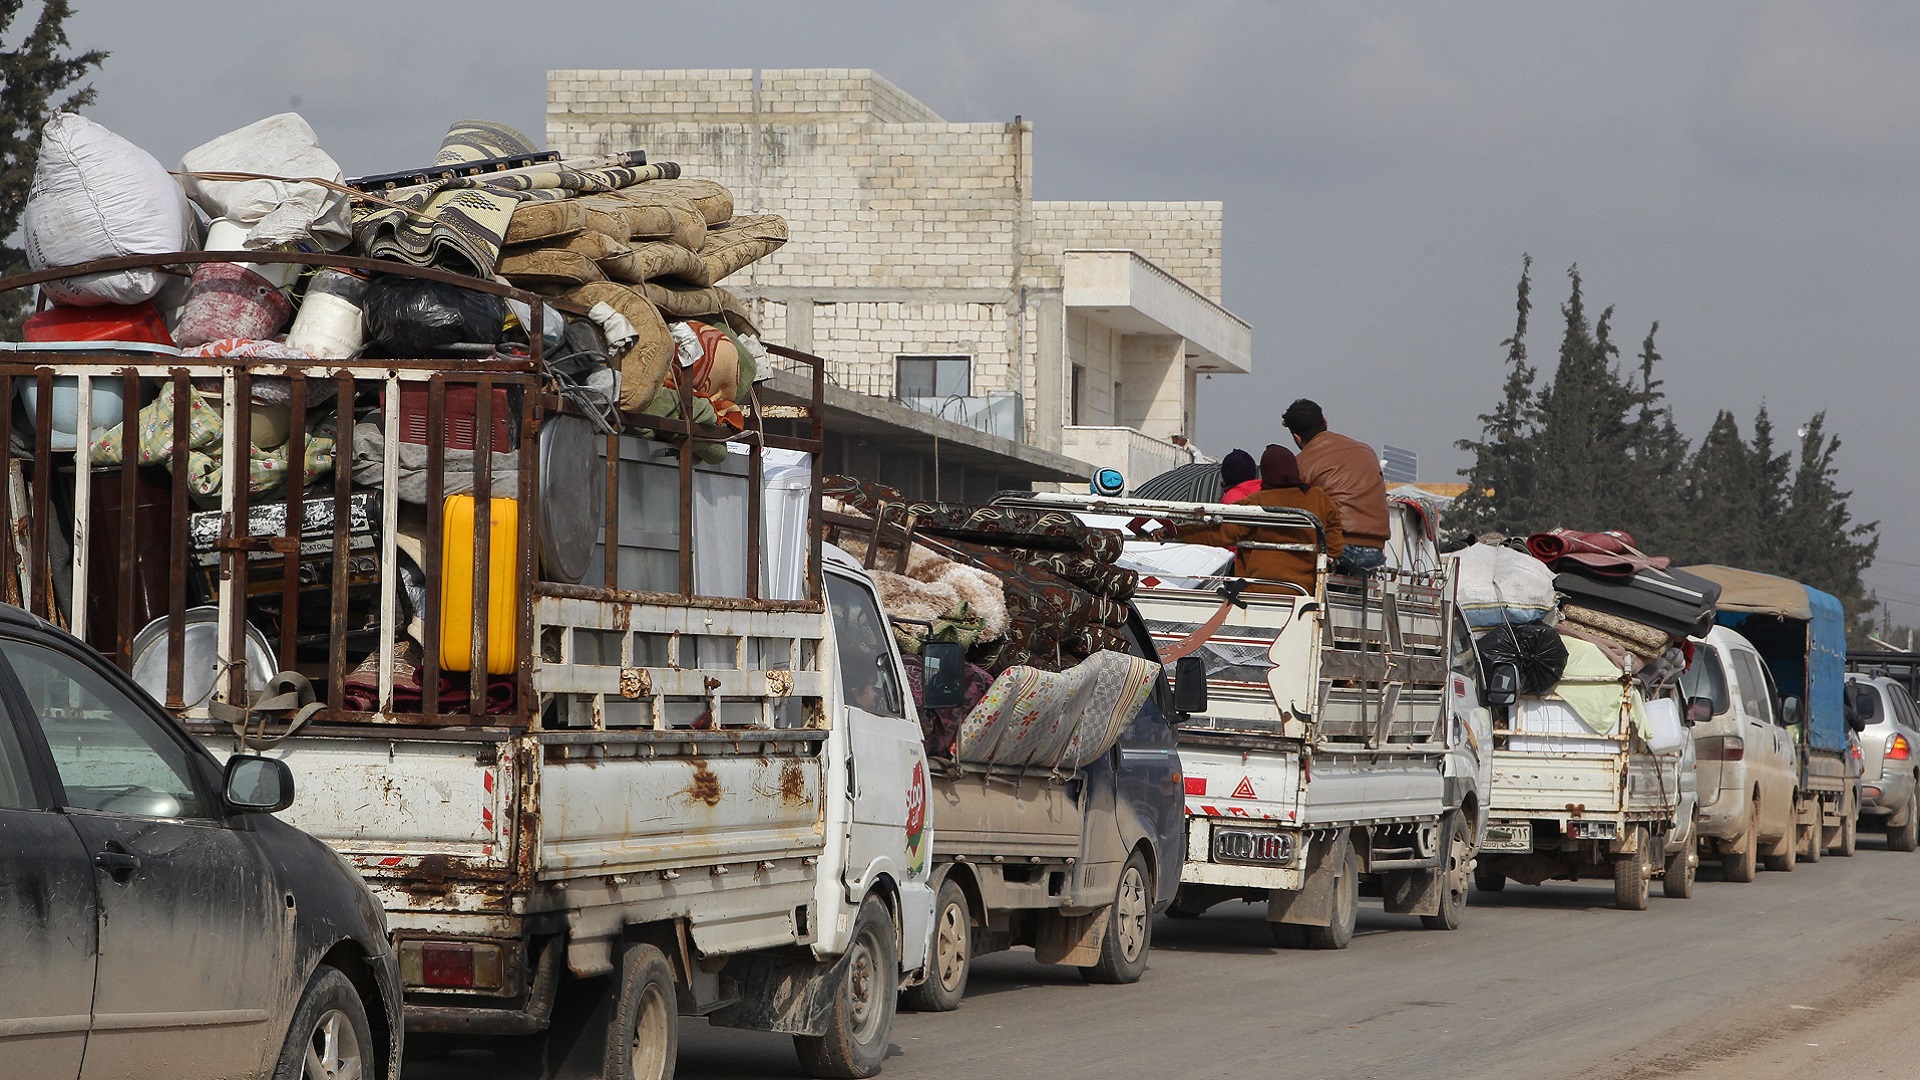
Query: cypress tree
[32, 74]
[1500, 479]
[1818, 541]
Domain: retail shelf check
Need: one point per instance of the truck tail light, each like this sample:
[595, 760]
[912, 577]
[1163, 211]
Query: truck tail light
[1898, 749]
[451, 965]
[1721, 748]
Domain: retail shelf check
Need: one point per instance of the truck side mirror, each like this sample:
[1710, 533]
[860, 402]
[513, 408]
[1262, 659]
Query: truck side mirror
[1789, 711]
[1501, 686]
[943, 680]
[1190, 685]
[1699, 711]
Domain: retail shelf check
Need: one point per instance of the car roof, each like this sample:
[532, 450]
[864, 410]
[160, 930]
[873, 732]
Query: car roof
[17, 616]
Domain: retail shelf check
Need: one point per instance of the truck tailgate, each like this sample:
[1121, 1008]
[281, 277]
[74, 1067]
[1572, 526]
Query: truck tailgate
[1006, 812]
[1529, 783]
[1355, 789]
[621, 802]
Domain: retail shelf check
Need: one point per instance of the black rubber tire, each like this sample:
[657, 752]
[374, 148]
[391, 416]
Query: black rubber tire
[1455, 874]
[1682, 869]
[1489, 881]
[1288, 935]
[951, 954]
[1905, 837]
[1741, 860]
[331, 1022]
[1338, 934]
[1814, 846]
[1849, 830]
[1630, 884]
[643, 1027]
[860, 1023]
[1129, 937]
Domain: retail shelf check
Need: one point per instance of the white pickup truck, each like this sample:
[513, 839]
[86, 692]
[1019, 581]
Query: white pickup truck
[655, 758]
[1342, 745]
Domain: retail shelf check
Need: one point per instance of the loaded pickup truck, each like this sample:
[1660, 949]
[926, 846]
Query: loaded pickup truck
[1341, 745]
[1074, 862]
[609, 731]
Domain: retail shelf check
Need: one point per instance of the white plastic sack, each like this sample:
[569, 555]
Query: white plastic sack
[1498, 584]
[276, 213]
[97, 196]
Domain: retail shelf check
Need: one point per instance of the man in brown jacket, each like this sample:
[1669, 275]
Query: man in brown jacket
[1349, 470]
[1281, 485]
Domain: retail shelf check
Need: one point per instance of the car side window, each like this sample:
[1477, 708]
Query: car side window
[1754, 699]
[16, 786]
[112, 755]
[867, 678]
[1902, 705]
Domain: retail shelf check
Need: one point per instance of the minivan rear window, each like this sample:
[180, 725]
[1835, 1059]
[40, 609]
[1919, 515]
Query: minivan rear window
[1707, 679]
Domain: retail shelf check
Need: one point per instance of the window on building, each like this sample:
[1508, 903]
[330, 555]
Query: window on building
[933, 376]
[1076, 396]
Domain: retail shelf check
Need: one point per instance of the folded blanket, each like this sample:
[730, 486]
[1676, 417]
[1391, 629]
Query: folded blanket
[1602, 554]
[461, 222]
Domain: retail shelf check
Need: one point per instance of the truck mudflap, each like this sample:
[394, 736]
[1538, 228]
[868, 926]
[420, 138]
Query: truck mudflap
[1312, 904]
[785, 993]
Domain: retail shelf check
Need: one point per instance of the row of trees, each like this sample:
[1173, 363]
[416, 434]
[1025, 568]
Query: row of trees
[1595, 447]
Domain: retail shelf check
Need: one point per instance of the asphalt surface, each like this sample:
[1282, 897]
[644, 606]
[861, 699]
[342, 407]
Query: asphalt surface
[1548, 982]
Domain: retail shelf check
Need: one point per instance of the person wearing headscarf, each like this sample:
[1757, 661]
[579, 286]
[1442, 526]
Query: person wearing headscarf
[1268, 570]
[1239, 476]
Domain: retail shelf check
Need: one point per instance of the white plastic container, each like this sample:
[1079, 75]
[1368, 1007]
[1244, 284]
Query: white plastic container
[330, 324]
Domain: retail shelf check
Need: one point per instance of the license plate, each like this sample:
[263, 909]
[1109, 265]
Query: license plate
[1517, 836]
[1249, 846]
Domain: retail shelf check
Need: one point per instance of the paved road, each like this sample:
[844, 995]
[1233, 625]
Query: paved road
[1540, 983]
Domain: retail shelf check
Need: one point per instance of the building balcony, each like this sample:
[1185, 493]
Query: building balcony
[1129, 293]
[1138, 456]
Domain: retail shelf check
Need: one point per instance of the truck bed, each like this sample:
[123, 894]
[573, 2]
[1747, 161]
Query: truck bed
[983, 813]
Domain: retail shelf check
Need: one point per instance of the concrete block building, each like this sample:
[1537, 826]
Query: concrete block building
[924, 270]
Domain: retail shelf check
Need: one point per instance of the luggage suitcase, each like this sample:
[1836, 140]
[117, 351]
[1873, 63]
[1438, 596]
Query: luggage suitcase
[1680, 603]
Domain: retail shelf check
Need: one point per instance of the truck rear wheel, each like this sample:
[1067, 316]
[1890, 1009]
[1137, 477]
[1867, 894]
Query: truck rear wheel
[1740, 858]
[1905, 836]
[643, 1035]
[1682, 866]
[1630, 875]
[861, 1019]
[952, 955]
[1454, 874]
[1849, 829]
[1123, 949]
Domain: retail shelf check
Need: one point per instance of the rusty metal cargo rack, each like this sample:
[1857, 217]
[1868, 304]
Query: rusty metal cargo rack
[37, 471]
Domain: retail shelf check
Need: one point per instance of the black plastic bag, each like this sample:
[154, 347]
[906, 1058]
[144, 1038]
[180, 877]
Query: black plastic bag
[411, 317]
[1534, 649]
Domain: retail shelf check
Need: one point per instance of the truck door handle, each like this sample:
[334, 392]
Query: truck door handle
[119, 865]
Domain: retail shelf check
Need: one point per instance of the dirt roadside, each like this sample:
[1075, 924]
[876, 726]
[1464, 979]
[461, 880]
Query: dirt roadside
[1848, 1018]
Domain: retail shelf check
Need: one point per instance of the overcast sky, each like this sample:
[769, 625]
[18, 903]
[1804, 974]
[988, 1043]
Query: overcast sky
[1745, 173]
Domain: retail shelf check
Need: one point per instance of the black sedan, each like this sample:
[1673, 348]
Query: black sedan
[155, 919]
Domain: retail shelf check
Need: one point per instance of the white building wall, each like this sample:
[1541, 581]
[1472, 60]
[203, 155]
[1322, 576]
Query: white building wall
[909, 234]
